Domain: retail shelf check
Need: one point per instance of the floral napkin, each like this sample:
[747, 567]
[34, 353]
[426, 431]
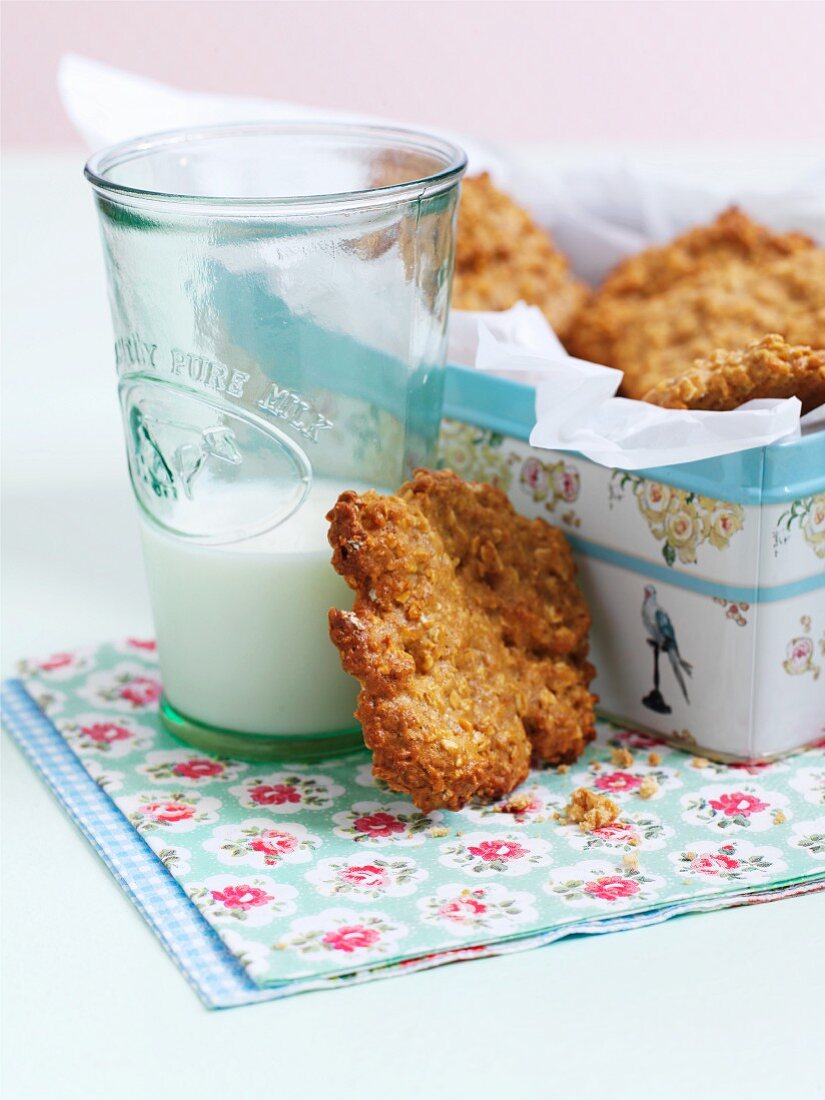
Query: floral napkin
[316, 872]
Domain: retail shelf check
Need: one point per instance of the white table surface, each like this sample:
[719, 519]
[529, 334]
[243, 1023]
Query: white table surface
[724, 1004]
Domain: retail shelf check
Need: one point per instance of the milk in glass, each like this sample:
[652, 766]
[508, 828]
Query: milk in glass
[242, 629]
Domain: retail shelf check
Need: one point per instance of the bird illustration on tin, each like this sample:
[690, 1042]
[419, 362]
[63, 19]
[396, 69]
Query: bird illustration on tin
[662, 639]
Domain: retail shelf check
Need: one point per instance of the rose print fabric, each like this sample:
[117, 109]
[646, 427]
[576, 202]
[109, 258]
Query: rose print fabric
[310, 872]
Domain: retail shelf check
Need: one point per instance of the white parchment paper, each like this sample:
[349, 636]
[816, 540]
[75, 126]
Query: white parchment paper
[577, 410]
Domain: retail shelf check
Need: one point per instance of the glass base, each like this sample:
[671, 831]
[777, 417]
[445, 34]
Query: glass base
[257, 747]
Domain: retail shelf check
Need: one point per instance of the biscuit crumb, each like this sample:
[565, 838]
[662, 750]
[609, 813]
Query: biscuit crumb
[630, 861]
[779, 818]
[699, 762]
[589, 810]
[621, 758]
[654, 759]
[515, 805]
[438, 830]
[632, 841]
[649, 787]
[595, 766]
[563, 769]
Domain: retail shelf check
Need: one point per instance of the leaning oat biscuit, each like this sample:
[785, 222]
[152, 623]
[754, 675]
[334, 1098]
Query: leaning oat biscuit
[717, 286]
[468, 635]
[503, 257]
[727, 379]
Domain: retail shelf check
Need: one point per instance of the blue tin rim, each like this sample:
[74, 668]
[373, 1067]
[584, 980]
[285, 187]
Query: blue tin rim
[774, 474]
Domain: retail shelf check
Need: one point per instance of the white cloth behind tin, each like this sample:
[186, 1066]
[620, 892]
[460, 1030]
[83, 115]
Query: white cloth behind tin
[108, 105]
[598, 210]
[598, 214]
[602, 211]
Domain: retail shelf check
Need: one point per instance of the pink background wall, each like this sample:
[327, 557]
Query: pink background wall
[661, 71]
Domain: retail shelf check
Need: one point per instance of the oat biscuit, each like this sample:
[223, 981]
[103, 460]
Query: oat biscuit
[727, 379]
[717, 286]
[468, 635]
[503, 257]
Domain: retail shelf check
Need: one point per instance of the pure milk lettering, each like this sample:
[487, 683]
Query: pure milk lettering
[178, 361]
[210, 373]
[217, 377]
[134, 351]
[291, 407]
[237, 382]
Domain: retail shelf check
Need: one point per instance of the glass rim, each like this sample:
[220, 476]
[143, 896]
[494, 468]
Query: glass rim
[396, 137]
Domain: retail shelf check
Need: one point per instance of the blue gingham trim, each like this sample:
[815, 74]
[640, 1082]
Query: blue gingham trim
[218, 979]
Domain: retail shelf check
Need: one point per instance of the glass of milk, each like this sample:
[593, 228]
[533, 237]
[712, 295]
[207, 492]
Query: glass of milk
[279, 294]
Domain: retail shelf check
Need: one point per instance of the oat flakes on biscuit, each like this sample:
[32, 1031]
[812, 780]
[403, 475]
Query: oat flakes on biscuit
[727, 379]
[716, 286]
[468, 635]
[503, 256]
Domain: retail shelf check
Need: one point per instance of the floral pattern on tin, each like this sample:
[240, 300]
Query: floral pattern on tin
[476, 454]
[681, 520]
[550, 483]
[808, 515]
[799, 657]
[736, 612]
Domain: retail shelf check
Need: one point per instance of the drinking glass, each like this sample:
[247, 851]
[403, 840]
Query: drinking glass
[279, 295]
